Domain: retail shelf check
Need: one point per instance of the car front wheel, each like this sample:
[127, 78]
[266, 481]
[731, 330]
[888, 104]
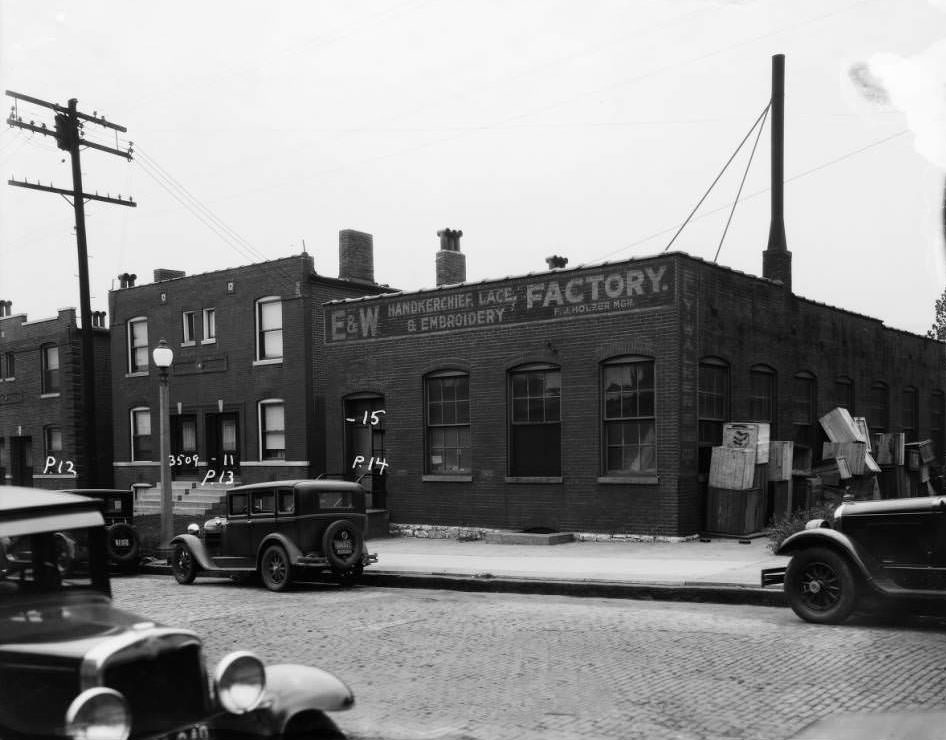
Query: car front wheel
[183, 565]
[274, 568]
[820, 586]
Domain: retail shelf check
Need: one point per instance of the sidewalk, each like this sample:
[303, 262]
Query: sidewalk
[722, 570]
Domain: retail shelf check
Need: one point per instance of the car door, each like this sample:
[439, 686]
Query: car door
[262, 516]
[236, 549]
[938, 562]
[900, 540]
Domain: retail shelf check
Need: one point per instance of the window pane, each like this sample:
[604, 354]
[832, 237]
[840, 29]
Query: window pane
[142, 422]
[270, 315]
[273, 416]
[272, 344]
[435, 413]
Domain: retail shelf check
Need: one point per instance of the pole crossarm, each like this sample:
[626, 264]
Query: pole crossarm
[62, 191]
[31, 127]
[110, 150]
[59, 109]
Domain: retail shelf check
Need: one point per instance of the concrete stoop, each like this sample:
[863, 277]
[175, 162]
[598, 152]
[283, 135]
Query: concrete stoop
[187, 498]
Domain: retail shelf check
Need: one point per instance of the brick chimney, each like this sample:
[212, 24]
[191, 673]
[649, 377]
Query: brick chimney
[355, 256]
[127, 280]
[6, 309]
[451, 262]
[555, 261]
[162, 273]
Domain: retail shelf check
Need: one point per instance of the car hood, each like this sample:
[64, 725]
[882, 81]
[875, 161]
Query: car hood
[63, 628]
[890, 506]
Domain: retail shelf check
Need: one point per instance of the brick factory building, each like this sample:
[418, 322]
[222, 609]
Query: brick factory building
[246, 384]
[589, 399]
[42, 404]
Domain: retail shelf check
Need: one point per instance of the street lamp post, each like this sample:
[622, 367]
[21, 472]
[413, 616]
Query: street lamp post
[163, 357]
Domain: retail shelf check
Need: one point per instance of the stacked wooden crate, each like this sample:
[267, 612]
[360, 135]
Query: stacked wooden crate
[737, 480]
[905, 465]
[848, 464]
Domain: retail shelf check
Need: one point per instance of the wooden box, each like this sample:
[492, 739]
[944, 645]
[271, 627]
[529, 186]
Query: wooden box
[748, 435]
[781, 492]
[735, 513]
[780, 460]
[840, 427]
[861, 423]
[732, 468]
[855, 453]
[890, 448]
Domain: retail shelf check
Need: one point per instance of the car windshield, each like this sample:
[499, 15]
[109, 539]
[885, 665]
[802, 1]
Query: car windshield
[44, 562]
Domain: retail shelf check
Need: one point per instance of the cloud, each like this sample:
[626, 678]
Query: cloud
[914, 85]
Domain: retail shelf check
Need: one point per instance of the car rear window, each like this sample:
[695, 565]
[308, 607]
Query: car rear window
[335, 500]
[287, 502]
[264, 502]
[238, 504]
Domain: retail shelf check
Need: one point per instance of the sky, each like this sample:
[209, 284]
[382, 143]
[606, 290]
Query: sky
[537, 127]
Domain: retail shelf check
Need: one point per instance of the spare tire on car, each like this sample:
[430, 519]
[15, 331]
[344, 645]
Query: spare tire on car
[342, 544]
[123, 544]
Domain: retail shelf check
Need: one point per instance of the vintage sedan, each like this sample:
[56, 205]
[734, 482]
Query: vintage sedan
[122, 540]
[282, 531]
[72, 665]
[868, 552]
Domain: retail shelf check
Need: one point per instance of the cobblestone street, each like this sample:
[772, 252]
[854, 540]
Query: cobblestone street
[449, 665]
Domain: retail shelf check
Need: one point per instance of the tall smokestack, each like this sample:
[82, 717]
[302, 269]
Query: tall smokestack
[776, 259]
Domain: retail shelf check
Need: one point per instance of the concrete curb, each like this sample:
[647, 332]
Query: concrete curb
[715, 593]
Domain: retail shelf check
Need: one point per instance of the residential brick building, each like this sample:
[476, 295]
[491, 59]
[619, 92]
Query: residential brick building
[589, 399]
[247, 382]
[43, 409]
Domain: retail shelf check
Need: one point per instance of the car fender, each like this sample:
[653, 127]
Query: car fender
[292, 689]
[830, 538]
[275, 538]
[196, 546]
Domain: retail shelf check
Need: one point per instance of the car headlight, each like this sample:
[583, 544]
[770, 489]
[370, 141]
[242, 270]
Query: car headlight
[98, 714]
[818, 524]
[194, 529]
[239, 680]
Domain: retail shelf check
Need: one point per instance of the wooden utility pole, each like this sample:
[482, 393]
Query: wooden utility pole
[68, 133]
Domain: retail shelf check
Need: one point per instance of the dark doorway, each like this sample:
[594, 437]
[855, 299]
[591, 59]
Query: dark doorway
[364, 447]
[21, 461]
[223, 445]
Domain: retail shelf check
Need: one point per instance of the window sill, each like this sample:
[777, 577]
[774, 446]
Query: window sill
[446, 478]
[188, 344]
[274, 361]
[633, 480]
[50, 395]
[533, 479]
[53, 476]
[133, 463]
[7, 380]
[137, 374]
[209, 341]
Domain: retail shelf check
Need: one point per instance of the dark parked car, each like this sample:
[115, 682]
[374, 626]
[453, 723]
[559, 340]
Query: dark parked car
[869, 550]
[284, 531]
[72, 665]
[122, 540]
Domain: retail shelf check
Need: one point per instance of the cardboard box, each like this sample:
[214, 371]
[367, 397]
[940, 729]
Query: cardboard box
[840, 427]
[745, 435]
[732, 468]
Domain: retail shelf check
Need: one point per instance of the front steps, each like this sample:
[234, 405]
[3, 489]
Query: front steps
[188, 498]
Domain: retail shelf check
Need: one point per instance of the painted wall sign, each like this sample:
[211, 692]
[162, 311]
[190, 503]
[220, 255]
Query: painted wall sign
[590, 292]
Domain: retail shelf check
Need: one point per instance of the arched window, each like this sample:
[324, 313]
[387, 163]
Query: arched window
[878, 407]
[804, 419]
[909, 414]
[762, 399]
[535, 422]
[447, 423]
[712, 400]
[844, 393]
[629, 416]
[937, 416]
